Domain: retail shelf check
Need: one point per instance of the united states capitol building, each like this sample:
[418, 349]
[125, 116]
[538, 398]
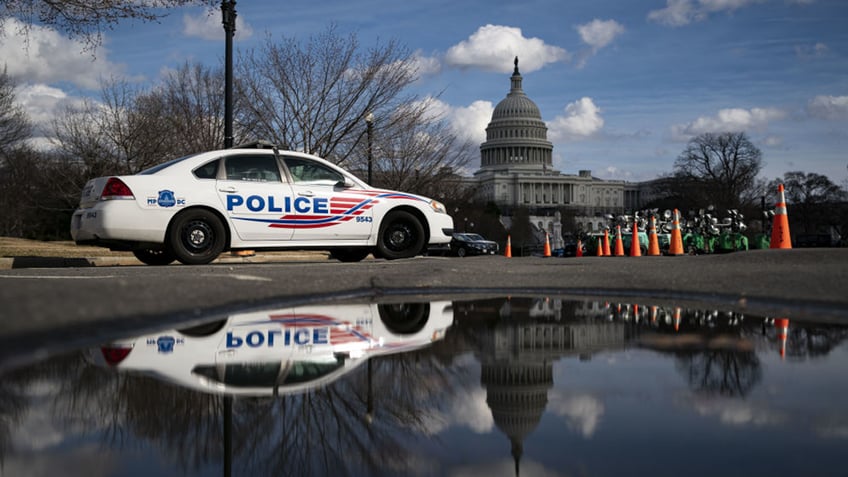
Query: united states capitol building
[516, 170]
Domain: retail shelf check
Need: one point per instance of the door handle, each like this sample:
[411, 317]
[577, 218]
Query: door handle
[306, 193]
[227, 189]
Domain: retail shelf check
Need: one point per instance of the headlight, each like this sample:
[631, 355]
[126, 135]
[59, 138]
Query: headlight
[438, 207]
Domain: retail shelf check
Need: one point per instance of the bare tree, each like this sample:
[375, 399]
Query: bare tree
[418, 152]
[191, 102]
[123, 134]
[85, 20]
[722, 168]
[815, 202]
[315, 96]
[15, 127]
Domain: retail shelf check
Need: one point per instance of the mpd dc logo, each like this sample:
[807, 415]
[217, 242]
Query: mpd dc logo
[166, 199]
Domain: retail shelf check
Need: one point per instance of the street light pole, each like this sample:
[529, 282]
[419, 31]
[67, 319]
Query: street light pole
[369, 121]
[228, 13]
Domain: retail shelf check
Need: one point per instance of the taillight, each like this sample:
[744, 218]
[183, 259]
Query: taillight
[116, 189]
[114, 356]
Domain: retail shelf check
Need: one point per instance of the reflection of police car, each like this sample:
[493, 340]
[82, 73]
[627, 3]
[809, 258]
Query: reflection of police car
[279, 351]
[193, 208]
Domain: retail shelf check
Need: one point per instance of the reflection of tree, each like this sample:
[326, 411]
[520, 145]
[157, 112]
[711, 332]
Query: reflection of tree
[325, 431]
[724, 372]
[813, 341]
[12, 406]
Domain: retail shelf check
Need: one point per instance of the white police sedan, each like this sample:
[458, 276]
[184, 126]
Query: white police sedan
[253, 197]
[278, 351]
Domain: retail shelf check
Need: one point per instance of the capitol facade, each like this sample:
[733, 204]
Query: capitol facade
[516, 170]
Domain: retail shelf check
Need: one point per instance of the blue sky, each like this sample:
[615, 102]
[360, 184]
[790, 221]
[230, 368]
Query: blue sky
[622, 85]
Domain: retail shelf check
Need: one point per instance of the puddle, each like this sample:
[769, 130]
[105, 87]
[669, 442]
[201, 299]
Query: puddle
[499, 386]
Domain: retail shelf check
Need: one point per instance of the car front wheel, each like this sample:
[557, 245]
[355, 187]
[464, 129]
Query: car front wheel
[197, 237]
[401, 236]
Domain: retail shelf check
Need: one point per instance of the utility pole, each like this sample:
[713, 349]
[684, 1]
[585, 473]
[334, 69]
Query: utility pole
[228, 13]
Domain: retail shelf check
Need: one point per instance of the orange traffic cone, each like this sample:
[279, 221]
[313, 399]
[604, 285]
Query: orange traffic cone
[654, 310]
[677, 311]
[619, 245]
[508, 250]
[579, 251]
[780, 223]
[547, 251]
[782, 325]
[606, 243]
[653, 241]
[600, 251]
[676, 245]
[635, 246]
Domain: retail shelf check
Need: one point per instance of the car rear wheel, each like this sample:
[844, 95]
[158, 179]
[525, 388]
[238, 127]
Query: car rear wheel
[401, 236]
[154, 256]
[197, 237]
[461, 252]
[350, 254]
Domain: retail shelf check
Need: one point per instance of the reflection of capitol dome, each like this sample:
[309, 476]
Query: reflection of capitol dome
[516, 136]
[517, 395]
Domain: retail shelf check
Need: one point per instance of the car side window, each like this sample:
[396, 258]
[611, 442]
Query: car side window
[252, 169]
[207, 171]
[306, 171]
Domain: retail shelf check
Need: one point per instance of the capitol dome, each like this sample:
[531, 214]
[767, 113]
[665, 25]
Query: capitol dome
[516, 137]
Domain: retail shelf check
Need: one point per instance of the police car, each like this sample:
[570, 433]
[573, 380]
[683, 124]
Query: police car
[253, 197]
[282, 351]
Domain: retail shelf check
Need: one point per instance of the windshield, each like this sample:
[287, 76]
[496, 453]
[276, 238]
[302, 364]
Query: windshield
[471, 237]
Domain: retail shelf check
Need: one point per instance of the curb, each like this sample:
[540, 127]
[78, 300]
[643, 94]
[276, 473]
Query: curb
[7, 263]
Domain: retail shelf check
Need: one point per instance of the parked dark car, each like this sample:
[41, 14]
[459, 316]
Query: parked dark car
[472, 244]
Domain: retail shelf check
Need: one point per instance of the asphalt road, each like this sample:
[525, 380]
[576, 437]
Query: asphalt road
[45, 309]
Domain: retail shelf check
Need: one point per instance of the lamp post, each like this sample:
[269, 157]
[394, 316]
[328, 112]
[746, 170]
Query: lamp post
[369, 121]
[228, 15]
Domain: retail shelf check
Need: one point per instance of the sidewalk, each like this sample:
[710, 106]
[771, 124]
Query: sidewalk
[22, 253]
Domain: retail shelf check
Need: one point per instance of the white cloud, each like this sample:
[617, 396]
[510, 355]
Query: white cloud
[45, 56]
[42, 103]
[737, 413]
[583, 412]
[828, 107]
[807, 52]
[207, 25]
[676, 13]
[728, 120]
[467, 122]
[424, 65]
[468, 410]
[683, 12]
[493, 47]
[582, 119]
[599, 33]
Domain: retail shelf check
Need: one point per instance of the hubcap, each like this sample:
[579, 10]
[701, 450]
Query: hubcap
[399, 237]
[198, 235]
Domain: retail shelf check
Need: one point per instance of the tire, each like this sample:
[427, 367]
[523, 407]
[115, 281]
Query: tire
[404, 318]
[154, 256]
[196, 237]
[461, 252]
[349, 254]
[401, 236]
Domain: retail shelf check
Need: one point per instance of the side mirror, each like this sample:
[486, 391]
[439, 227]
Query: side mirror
[345, 184]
